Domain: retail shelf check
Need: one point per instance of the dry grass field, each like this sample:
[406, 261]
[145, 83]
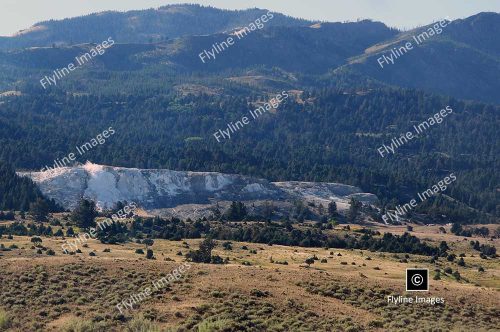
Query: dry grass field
[262, 288]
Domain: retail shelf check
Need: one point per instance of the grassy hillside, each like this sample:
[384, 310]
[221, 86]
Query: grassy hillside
[344, 289]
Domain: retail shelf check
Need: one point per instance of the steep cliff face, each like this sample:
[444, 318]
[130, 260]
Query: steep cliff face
[157, 189]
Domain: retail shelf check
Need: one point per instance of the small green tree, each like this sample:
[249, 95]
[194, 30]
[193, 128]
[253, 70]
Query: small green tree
[39, 210]
[70, 232]
[443, 247]
[84, 214]
[148, 242]
[236, 212]
[268, 210]
[36, 240]
[227, 245]
[461, 262]
[204, 253]
[332, 209]
[456, 228]
[354, 209]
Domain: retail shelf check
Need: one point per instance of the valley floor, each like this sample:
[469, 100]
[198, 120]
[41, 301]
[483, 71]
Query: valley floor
[344, 290]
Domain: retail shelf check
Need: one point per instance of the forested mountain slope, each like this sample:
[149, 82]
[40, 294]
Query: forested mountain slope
[327, 136]
[165, 103]
[16, 193]
[462, 61]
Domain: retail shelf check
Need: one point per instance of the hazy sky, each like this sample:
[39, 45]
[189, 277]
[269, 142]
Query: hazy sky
[20, 14]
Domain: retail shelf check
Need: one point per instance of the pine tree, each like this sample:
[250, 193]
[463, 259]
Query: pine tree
[39, 210]
[85, 213]
[332, 209]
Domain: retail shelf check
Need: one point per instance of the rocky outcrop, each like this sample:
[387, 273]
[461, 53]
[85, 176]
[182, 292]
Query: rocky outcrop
[157, 189]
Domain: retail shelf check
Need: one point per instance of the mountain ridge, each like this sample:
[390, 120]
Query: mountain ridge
[148, 25]
[462, 61]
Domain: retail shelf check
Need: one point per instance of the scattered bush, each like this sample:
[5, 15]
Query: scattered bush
[376, 324]
[461, 262]
[217, 260]
[5, 320]
[70, 232]
[80, 326]
[281, 262]
[149, 254]
[259, 293]
[139, 251]
[36, 240]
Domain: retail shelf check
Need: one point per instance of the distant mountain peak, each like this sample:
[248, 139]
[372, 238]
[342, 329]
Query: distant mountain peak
[141, 26]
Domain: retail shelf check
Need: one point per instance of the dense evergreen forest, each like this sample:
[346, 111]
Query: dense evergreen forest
[16, 193]
[328, 135]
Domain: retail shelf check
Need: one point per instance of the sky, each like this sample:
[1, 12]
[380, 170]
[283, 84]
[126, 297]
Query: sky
[16, 15]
